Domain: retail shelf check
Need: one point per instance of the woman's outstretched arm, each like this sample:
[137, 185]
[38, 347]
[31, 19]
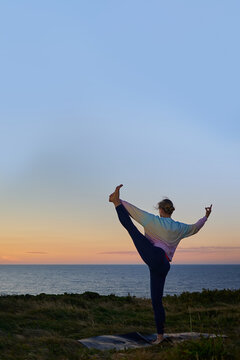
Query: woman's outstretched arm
[141, 216]
[188, 230]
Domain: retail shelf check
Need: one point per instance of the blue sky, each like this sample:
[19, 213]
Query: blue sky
[97, 93]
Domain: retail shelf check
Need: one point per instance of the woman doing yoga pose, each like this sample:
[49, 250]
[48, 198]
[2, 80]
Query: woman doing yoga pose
[156, 248]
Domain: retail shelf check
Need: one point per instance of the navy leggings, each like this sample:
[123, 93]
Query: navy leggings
[156, 261]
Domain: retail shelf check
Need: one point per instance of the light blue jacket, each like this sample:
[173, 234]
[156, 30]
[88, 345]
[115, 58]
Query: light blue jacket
[163, 232]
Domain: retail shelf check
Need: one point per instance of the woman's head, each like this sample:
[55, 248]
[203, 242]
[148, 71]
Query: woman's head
[165, 207]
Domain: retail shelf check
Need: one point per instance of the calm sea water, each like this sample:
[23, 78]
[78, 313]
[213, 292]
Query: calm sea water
[113, 279]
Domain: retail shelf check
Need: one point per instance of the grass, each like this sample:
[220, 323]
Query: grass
[47, 327]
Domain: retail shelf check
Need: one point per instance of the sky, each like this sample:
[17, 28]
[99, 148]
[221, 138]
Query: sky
[99, 93]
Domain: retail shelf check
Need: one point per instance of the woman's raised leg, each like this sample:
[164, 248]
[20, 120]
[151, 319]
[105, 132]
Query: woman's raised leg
[142, 244]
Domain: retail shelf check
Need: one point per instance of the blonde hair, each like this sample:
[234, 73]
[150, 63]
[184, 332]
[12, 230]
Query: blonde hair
[167, 205]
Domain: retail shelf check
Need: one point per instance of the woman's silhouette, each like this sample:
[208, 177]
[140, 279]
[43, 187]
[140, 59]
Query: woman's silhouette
[156, 248]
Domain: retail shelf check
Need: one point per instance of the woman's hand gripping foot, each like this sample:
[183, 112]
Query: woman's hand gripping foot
[114, 197]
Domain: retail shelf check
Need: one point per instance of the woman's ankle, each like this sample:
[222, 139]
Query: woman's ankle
[117, 202]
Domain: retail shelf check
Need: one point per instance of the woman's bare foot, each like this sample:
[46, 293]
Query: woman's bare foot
[114, 197]
[158, 340]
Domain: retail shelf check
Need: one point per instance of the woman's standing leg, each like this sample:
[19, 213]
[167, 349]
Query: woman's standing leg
[157, 281]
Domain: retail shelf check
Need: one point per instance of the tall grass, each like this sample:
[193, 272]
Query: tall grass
[48, 326]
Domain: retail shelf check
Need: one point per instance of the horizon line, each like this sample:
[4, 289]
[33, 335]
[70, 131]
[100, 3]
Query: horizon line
[76, 264]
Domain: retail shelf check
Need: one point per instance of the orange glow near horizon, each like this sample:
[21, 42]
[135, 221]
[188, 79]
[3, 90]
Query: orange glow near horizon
[107, 247]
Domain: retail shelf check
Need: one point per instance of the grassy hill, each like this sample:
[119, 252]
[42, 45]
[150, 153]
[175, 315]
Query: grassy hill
[47, 327]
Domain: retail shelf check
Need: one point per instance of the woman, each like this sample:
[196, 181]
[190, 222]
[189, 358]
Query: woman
[156, 248]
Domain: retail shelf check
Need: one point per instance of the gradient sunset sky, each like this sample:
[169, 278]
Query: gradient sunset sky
[98, 93]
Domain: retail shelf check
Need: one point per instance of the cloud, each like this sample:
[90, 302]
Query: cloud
[118, 253]
[201, 249]
[36, 252]
[209, 249]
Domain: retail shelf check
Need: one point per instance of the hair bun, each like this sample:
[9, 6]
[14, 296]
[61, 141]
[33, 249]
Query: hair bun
[167, 206]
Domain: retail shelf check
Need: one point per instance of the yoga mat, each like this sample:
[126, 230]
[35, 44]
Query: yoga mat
[135, 340]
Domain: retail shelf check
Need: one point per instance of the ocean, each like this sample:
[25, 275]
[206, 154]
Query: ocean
[120, 280]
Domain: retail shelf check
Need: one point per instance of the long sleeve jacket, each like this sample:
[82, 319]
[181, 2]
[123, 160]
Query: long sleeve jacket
[163, 232]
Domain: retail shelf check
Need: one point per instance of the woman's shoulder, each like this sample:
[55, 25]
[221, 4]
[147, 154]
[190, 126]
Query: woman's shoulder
[169, 223]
